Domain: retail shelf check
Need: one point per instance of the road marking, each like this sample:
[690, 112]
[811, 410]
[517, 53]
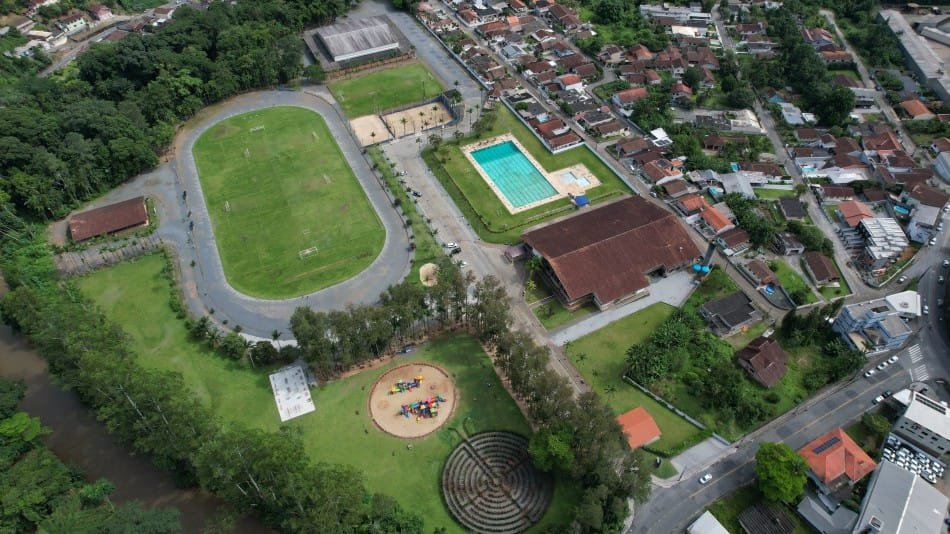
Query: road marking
[919, 373]
[915, 354]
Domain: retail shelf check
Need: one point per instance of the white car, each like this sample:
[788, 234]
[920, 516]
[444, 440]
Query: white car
[869, 373]
[451, 245]
[705, 478]
[877, 399]
[881, 366]
[933, 241]
[892, 359]
[926, 309]
[946, 263]
[901, 280]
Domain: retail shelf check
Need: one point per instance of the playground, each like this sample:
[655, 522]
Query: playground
[413, 400]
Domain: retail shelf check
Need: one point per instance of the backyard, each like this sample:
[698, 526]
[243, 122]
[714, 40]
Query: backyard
[385, 89]
[284, 226]
[482, 208]
[793, 282]
[773, 194]
[728, 508]
[601, 358]
[834, 292]
[340, 430]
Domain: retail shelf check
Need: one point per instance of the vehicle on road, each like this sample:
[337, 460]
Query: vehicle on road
[946, 263]
[705, 478]
[417, 194]
[926, 309]
[451, 245]
[456, 250]
[940, 279]
[901, 280]
[402, 173]
[878, 399]
[933, 241]
[463, 264]
[887, 393]
[881, 366]
[869, 373]
[892, 359]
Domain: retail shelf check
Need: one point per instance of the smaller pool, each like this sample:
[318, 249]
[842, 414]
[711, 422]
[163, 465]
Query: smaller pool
[769, 289]
[515, 176]
[734, 167]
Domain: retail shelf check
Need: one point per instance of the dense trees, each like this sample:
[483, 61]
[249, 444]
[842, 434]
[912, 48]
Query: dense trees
[761, 229]
[40, 491]
[780, 471]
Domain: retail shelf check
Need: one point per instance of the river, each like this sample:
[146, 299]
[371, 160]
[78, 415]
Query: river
[80, 440]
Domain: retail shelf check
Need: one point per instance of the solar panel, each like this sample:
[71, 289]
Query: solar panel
[826, 445]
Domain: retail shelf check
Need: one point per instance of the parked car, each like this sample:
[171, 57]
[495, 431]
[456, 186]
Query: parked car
[881, 366]
[403, 173]
[926, 309]
[416, 194]
[887, 393]
[451, 245]
[456, 250]
[901, 280]
[878, 399]
[869, 373]
[940, 279]
[946, 263]
[932, 242]
[705, 478]
[892, 359]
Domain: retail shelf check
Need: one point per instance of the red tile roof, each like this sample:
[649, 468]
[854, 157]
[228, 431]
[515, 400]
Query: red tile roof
[631, 95]
[108, 219]
[835, 455]
[735, 237]
[716, 219]
[915, 108]
[639, 427]
[854, 211]
[928, 196]
[765, 360]
[609, 250]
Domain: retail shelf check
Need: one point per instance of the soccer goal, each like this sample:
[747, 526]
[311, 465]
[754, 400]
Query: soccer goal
[227, 206]
[307, 252]
[256, 129]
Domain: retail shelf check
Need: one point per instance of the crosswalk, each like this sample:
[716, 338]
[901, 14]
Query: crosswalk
[918, 371]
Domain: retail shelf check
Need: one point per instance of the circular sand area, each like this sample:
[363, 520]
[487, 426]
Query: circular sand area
[428, 274]
[385, 406]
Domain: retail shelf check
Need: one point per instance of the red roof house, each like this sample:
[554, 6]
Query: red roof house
[108, 219]
[836, 462]
[639, 427]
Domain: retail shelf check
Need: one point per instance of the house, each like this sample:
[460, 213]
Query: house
[846, 145]
[836, 463]
[900, 502]
[729, 314]
[718, 142]
[820, 268]
[751, 28]
[164, 14]
[19, 23]
[940, 145]
[925, 424]
[917, 110]
[680, 92]
[676, 188]
[71, 24]
[852, 212]
[924, 223]
[108, 219]
[607, 255]
[570, 82]
[764, 360]
[639, 427]
[882, 142]
[733, 241]
[714, 219]
[770, 171]
[878, 324]
[922, 194]
[610, 54]
[817, 37]
[834, 58]
[610, 129]
[706, 524]
[100, 12]
[627, 98]
[835, 193]
[791, 208]
[760, 273]
[630, 147]
[787, 244]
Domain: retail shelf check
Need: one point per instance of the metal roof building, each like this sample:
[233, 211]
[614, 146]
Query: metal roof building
[900, 502]
[358, 38]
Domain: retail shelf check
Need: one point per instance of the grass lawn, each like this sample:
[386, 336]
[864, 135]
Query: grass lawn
[834, 292]
[552, 314]
[715, 285]
[740, 340]
[481, 207]
[277, 191]
[140, 5]
[792, 281]
[340, 430]
[601, 357]
[385, 89]
[773, 194]
[728, 508]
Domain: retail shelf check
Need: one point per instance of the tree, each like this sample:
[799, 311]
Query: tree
[877, 424]
[834, 104]
[780, 471]
[551, 449]
[692, 77]
[741, 97]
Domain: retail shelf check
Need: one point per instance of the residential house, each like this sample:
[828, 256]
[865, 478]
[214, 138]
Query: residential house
[852, 212]
[760, 274]
[820, 268]
[676, 188]
[613, 128]
[627, 98]
[879, 324]
[792, 209]
[751, 28]
[834, 193]
[660, 171]
[607, 255]
[732, 242]
[923, 194]
[639, 427]
[680, 92]
[817, 37]
[72, 23]
[923, 223]
[729, 314]
[834, 58]
[610, 55]
[940, 145]
[630, 147]
[764, 360]
[885, 243]
[718, 142]
[917, 110]
[706, 524]
[836, 463]
[570, 82]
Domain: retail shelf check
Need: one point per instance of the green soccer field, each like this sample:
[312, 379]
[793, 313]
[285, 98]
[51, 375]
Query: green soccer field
[385, 89]
[288, 214]
[340, 430]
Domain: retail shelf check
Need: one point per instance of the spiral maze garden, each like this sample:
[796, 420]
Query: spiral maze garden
[490, 484]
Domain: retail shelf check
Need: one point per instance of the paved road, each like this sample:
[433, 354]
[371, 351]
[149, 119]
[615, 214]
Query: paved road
[672, 509]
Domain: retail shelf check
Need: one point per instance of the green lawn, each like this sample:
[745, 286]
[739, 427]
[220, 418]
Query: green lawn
[385, 89]
[716, 284]
[834, 292]
[340, 430]
[773, 194]
[793, 282]
[601, 359]
[728, 508]
[553, 315]
[481, 207]
[276, 184]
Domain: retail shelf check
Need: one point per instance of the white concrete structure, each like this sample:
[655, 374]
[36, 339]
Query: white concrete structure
[291, 392]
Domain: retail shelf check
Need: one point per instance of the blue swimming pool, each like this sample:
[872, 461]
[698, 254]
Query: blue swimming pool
[513, 174]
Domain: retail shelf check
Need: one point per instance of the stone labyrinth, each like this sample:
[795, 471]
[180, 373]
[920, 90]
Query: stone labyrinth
[490, 484]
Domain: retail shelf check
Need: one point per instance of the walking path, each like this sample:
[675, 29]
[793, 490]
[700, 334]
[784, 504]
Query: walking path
[672, 290]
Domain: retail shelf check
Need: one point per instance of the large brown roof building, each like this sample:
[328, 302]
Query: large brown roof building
[608, 254]
[764, 360]
[108, 219]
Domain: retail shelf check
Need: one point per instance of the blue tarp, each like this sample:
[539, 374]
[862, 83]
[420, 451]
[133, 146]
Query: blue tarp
[581, 200]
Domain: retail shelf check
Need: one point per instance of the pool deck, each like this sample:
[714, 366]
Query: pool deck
[554, 178]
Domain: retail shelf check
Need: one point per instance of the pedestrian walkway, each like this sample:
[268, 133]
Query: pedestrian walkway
[918, 371]
[672, 290]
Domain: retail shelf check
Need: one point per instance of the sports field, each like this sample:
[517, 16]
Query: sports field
[340, 430]
[377, 91]
[289, 216]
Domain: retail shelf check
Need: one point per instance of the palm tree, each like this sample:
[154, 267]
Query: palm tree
[404, 120]
[275, 334]
[373, 136]
[214, 337]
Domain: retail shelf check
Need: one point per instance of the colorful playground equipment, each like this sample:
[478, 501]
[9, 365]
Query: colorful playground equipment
[424, 409]
[402, 386]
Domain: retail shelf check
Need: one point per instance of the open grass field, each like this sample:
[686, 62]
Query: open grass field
[601, 357]
[385, 89]
[793, 282]
[773, 194]
[340, 431]
[553, 315]
[276, 184]
[482, 208]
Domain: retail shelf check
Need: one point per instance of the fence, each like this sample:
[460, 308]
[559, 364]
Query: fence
[675, 410]
[110, 253]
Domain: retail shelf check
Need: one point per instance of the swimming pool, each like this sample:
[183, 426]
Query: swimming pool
[511, 172]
